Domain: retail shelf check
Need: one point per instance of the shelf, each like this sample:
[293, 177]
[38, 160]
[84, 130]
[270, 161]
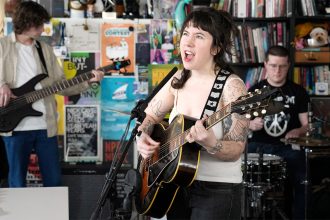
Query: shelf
[311, 64]
[87, 168]
[314, 18]
[277, 19]
[245, 64]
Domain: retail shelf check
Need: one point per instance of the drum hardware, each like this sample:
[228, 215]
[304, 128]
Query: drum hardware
[308, 144]
[263, 173]
[308, 141]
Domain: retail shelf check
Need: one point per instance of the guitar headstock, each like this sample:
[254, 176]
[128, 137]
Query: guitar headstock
[116, 65]
[257, 103]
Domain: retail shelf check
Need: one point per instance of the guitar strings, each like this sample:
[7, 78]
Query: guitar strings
[164, 149]
[19, 102]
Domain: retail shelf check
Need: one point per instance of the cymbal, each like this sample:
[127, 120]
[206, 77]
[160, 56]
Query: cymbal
[307, 141]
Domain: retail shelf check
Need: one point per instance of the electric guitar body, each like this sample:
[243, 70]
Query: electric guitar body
[10, 120]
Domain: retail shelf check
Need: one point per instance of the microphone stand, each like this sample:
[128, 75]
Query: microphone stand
[138, 113]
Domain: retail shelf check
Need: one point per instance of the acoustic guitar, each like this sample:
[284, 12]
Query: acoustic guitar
[175, 163]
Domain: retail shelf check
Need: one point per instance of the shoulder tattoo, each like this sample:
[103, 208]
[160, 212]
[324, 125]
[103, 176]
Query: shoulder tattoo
[237, 129]
[156, 106]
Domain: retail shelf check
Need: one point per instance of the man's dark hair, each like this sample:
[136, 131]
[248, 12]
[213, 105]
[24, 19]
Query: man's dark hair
[29, 14]
[278, 51]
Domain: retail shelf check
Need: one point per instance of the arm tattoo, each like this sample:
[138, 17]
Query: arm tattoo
[156, 105]
[227, 123]
[148, 127]
[236, 131]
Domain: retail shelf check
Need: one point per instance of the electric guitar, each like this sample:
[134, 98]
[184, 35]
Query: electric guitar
[21, 107]
[175, 163]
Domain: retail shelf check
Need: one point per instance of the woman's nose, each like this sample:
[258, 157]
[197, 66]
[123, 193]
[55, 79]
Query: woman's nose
[189, 41]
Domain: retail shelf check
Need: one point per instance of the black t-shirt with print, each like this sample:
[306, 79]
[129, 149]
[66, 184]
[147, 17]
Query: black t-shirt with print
[276, 126]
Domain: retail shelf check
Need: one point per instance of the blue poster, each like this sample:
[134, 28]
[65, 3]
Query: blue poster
[117, 100]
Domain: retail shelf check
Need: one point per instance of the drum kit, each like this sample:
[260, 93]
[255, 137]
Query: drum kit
[265, 175]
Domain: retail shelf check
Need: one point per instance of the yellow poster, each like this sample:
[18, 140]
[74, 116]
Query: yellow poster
[60, 114]
[156, 73]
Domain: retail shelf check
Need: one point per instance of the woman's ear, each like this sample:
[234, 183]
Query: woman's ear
[215, 51]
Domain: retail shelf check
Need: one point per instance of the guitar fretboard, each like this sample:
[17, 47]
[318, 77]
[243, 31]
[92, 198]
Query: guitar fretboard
[62, 85]
[180, 140]
[57, 87]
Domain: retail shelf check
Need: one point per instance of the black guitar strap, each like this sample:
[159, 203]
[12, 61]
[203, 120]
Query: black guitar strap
[41, 55]
[215, 94]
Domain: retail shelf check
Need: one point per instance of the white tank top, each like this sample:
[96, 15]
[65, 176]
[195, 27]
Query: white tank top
[213, 169]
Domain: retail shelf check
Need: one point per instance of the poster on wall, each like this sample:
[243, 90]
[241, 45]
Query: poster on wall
[156, 73]
[82, 134]
[118, 97]
[163, 43]
[84, 62]
[82, 34]
[110, 147]
[117, 40]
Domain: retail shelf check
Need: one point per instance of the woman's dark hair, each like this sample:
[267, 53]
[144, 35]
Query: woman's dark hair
[278, 51]
[29, 14]
[222, 28]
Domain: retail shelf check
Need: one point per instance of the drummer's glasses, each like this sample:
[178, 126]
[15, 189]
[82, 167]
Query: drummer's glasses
[275, 66]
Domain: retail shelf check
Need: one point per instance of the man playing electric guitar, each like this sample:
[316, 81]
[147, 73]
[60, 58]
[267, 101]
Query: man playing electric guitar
[21, 60]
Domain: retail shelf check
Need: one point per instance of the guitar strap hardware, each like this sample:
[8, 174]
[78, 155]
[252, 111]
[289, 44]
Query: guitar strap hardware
[215, 94]
[41, 55]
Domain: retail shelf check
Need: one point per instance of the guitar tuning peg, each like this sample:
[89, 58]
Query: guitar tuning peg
[255, 114]
[248, 116]
[263, 111]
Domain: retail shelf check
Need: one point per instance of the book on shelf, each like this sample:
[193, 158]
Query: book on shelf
[242, 8]
[309, 76]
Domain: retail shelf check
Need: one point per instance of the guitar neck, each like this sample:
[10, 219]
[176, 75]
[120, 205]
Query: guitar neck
[62, 85]
[209, 122]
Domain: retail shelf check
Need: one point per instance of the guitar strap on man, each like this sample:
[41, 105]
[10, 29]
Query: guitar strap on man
[215, 94]
[41, 55]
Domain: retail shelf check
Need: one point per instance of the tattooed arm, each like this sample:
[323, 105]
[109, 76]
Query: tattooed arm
[155, 112]
[235, 126]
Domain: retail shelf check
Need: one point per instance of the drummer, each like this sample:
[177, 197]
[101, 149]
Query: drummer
[292, 122]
